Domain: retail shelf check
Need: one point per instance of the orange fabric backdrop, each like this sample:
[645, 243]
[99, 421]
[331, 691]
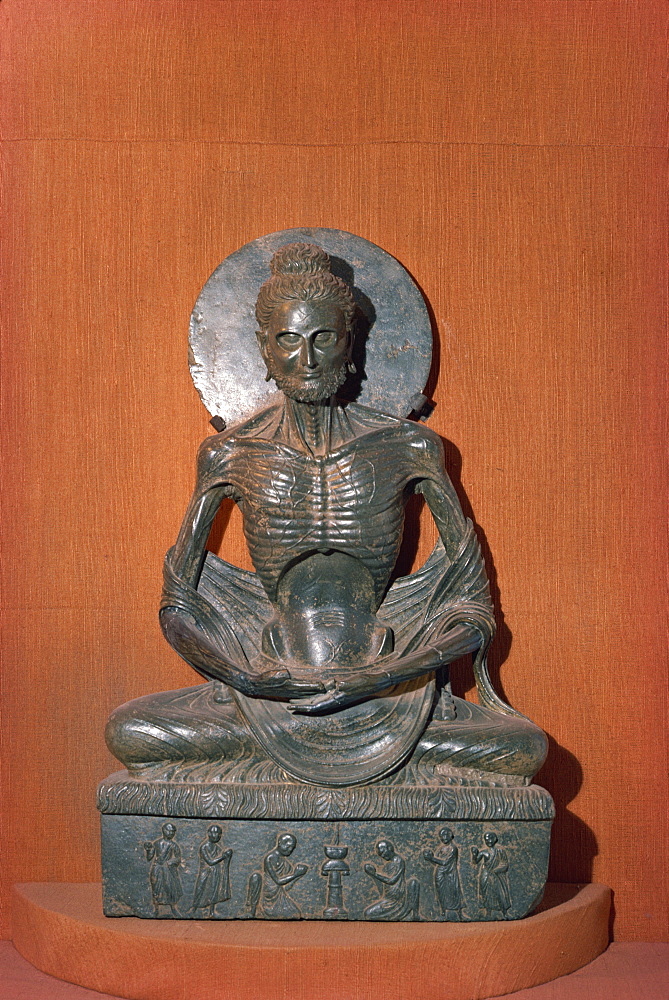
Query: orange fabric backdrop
[510, 154]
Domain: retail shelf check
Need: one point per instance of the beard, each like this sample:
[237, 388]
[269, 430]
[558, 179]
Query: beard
[311, 391]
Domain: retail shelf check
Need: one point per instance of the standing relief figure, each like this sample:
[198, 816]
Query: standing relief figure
[165, 857]
[213, 878]
[446, 876]
[493, 878]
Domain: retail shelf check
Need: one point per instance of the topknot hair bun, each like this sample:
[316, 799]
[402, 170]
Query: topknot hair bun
[300, 258]
[301, 273]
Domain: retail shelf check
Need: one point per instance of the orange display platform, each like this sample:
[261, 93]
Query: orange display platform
[61, 930]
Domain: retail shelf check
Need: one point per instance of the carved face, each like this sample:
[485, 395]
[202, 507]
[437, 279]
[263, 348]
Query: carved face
[305, 348]
[169, 830]
[490, 839]
[385, 850]
[214, 833]
[286, 844]
[446, 835]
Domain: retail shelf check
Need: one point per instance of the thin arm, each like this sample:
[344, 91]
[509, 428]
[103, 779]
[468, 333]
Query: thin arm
[391, 879]
[190, 549]
[281, 879]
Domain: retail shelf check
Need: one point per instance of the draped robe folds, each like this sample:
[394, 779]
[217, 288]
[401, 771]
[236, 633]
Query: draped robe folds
[165, 857]
[349, 499]
[392, 904]
[446, 878]
[213, 878]
[494, 881]
[275, 900]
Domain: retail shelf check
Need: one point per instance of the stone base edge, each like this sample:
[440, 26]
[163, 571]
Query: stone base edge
[122, 793]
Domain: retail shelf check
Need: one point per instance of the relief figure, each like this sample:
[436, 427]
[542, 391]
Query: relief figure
[271, 888]
[446, 876]
[213, 878]
[165, 857]
[493, 878]
[399, 898]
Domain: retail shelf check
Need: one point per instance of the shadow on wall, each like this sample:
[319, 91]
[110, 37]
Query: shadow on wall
[574, 845]
[219, 527]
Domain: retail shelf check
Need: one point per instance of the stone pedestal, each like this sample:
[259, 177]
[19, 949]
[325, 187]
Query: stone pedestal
[290, 851]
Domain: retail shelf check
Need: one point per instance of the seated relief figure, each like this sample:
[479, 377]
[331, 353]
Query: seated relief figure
[323, 670]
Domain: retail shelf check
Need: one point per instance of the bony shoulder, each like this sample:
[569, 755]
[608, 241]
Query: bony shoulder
[423, 439]
[220, 446]
[416, 434]
[215, 449]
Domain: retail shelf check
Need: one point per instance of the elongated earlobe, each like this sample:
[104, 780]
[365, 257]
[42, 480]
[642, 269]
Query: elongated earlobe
[351, 368]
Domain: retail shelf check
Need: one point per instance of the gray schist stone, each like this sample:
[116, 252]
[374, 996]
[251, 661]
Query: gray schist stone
[324, 770]
[478, 853]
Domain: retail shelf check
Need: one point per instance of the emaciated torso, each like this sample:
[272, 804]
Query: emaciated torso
[350, 498]
[322, 492]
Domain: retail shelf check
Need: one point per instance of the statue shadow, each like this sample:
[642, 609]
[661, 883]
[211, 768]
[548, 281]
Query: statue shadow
[363, 321]
[462, 680]
[574, 845]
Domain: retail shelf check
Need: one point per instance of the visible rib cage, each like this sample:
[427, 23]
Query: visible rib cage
[294, 504]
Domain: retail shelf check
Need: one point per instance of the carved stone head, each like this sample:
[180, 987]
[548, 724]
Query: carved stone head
[305, 314]
[385, 850]
[286, 844]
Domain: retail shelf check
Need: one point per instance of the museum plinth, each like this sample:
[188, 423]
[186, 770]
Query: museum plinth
[60, 928]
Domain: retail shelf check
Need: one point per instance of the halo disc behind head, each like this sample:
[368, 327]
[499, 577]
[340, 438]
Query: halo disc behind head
[393, 334]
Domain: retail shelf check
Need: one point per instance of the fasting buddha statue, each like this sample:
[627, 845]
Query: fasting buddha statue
[320, 667]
